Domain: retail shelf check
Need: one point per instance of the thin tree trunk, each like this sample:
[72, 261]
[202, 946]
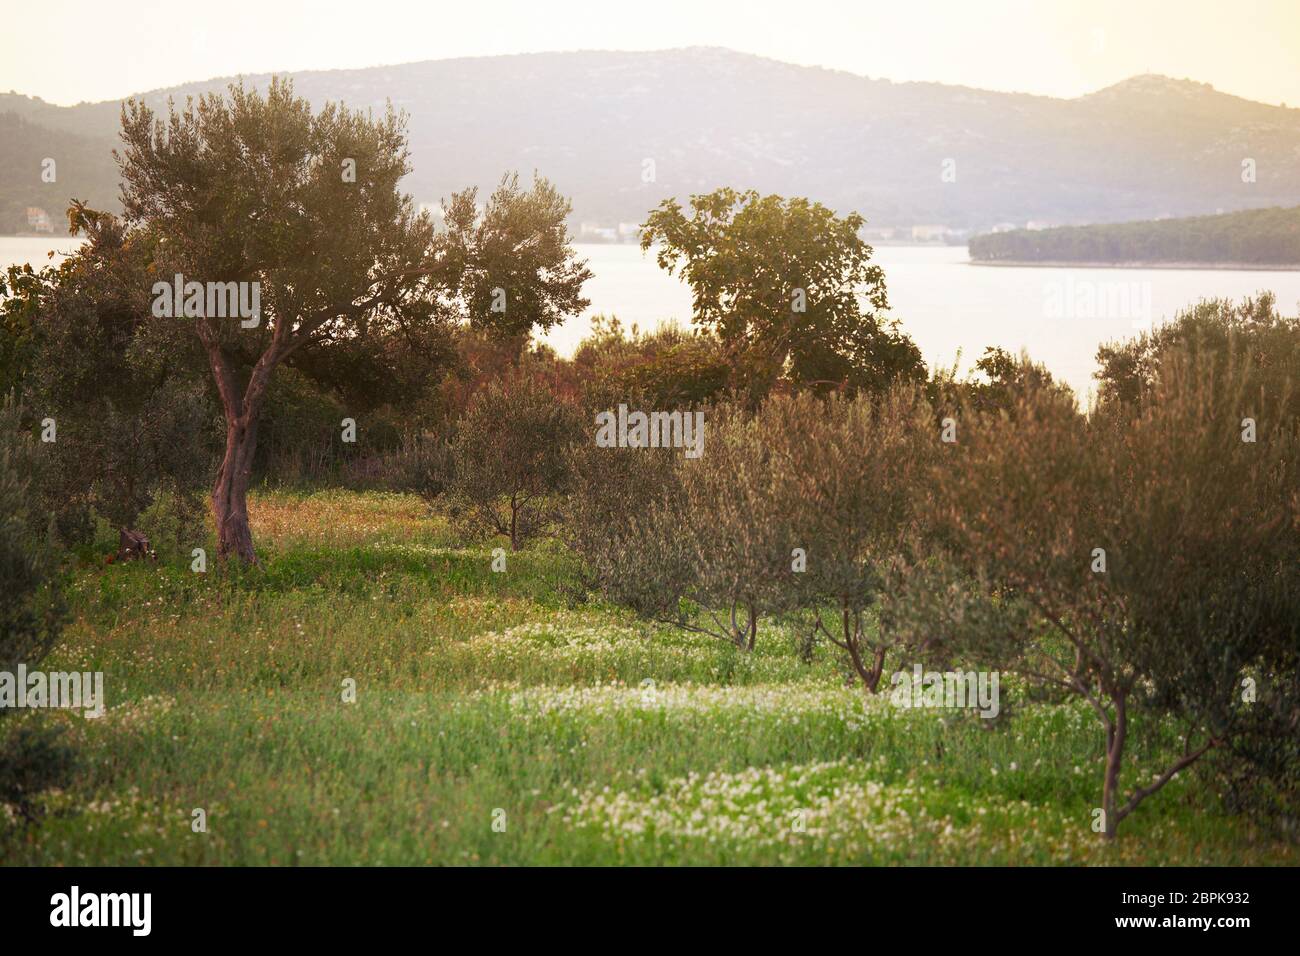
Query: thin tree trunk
[851, 624]
[855, 656]
[242, 414]
[1114, 756]
[877, 668]
[230, 493]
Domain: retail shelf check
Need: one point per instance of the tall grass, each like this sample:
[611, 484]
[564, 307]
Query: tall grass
[593, 738]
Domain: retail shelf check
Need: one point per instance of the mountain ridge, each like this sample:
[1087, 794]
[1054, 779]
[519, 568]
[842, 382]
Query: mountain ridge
[901, 153]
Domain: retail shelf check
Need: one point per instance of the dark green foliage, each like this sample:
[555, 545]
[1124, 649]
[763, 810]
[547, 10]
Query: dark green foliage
[20, 289]
[1258, 768]
[32, 613]
[34, 756]
[511, 263]
[1225, 333]
[1254, 236]
[31, 606]
[1003, 378]
[781, 284]
[174, 524]
[684, 375]
[666, 369]
[127, 394]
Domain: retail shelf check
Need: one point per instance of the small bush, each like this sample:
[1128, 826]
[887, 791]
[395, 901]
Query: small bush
[423, 464]
[32, 611]
[34, 756]
[664, 534]
[610, 522]
[31, 605]
[510, 457]
[175, 523]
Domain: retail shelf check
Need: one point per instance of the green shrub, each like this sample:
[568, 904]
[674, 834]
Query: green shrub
[510, 460]
[31, 605]
[609, 523]
[34, 756]
[175, 523]
[847, 472]
[32, 611]
[664, 534]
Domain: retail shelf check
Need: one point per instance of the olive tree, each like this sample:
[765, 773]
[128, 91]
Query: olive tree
[1149, 555]
[699, 543]
[509, 260]
[301, 211]
[510, 458]
[1218, 330]
[734, 531]
[850, 472]
[789, 289]
[611, 521]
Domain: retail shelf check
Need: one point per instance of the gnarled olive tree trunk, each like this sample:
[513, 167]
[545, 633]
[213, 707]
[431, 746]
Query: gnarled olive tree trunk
[230, 491]
[243, 413]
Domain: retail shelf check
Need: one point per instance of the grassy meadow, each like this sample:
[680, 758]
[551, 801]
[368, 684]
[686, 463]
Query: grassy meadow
[584, 735]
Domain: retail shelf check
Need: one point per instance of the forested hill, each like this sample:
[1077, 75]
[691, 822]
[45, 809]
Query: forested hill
[617, 132]
[1254, 237]
[45, 166]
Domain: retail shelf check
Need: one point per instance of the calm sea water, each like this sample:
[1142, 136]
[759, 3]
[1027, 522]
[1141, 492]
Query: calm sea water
[15, 250]
[950, 307]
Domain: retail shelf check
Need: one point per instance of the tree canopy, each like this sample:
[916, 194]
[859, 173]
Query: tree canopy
[294, 217]
[788, 287]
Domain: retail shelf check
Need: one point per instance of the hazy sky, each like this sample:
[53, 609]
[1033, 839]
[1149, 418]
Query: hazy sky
[71, 50]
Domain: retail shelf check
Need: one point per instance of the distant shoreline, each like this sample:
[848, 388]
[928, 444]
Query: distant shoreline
[1068, 264]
